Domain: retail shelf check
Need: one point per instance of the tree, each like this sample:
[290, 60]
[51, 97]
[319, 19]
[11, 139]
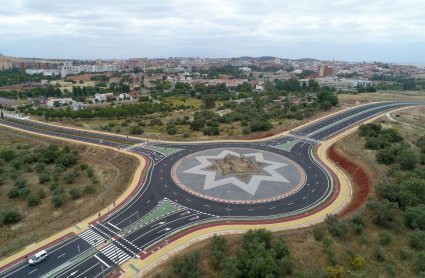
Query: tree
[281, 249]
[188, 266]
[13, 193]
[44, 178]
[70, 177]
[58, 200]
[385, 156]
[20, 183]
[8, 155]
[75, 193]
[417, 239]
[10, 216]
[407, 159]
[208, 101]
[136, 130]
[414, 217]
[89, 189]
[420, 262]
[230, 268]
[33, 200]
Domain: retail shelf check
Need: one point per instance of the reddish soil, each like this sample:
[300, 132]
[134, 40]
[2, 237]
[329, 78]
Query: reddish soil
[364, 183]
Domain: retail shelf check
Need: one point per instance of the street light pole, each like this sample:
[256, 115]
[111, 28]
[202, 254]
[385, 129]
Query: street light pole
[228, 209]
[308, 196]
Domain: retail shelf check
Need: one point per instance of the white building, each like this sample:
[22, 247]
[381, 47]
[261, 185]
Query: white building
[100, 97]
[78, 106]
[124, 95]
[245, 69]
[61, 101]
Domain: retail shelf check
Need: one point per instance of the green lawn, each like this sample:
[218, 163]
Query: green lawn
[161, 149]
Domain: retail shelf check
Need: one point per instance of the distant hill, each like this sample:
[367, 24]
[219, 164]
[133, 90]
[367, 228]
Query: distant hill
[41, 60]
[306, 60]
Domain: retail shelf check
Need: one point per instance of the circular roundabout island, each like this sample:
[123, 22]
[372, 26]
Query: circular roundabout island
[238, 175]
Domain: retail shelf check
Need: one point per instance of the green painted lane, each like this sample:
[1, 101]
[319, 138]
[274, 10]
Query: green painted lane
[288, 146]
[160, 149]
[159, 211]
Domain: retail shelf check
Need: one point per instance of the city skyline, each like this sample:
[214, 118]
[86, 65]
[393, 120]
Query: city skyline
[352, 31]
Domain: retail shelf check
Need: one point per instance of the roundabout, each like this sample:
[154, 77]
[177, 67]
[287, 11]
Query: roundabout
[238, 175]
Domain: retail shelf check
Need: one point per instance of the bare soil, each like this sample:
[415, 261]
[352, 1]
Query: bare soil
[237, 165]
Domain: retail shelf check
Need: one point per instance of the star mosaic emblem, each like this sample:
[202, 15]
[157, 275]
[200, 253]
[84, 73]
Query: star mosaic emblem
[251, 186]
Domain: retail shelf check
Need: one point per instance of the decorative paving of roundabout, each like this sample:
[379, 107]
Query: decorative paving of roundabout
[238, 175]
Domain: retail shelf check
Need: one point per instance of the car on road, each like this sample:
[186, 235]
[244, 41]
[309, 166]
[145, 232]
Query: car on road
[40, 256]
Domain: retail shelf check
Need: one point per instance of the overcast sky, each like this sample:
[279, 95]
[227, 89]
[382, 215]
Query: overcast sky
[349, 30]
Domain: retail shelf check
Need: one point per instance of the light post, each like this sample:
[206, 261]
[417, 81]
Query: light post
[337, 170]
[308, 196]
[228, 209]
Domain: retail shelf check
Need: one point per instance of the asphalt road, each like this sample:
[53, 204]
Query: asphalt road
[65, 260]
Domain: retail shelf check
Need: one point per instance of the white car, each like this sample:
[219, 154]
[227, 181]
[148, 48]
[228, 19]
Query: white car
[35, 259]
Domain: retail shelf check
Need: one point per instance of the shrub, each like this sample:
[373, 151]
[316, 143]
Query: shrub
[75, 193]
[385, 238]
[90, 172]
[20, 183]
[417, 239]
[13, 193]
[414, 217]
[14, 175]
[7, 155]
[58, 200]
[17, 164]
[318, 233]
[41, 194]
[70, 177]
[281, 249]
[357, 262]
[83, 166]
[58, 191]
[33, 200]
[171, 131]
[363, 239]
[10, 216]
[337, 272]
[420, 262]
[377, 253]
[2, 179]
[390, 268]
[39, 167]
[186, 135]
[335, 228]
[67, 159]
[330, 256]
[89, 189]
[44, 178]
[286, 265]
[24, 192]
[405, 255]
[53, 186]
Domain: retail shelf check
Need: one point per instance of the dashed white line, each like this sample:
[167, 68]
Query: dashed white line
[175, 193]
[61, 255]
[165, 185]
[206, 205]
[272, 208]
[290, 204]
[304, 198]
[148, 201]
[32, 271]
[189, 200]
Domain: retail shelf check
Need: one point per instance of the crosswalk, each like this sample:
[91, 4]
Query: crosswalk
[94, 239]
[112, 252]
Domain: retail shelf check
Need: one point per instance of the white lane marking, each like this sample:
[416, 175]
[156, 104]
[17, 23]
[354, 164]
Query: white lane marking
[61, 255]
[175, 193]
[114, 226]
[165, 185]
[312, 191]
[161, 171]
[250, 209]
[101, 260]
[272, 208]
[161, 178]
[189, 200]
[32, 271]
[304, 198]
[317, 182]
[88, 270]
[290, 204]
[148, 201]
[206, 205]
[316, 175]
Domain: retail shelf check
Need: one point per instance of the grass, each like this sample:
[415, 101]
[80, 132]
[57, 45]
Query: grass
[160, 149]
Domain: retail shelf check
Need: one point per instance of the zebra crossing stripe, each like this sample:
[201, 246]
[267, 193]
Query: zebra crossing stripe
[91, 236]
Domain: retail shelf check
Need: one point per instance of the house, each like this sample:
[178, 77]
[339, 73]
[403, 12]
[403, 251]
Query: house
[264, 97]
[44, 81]
[133, 95]
[78, 106]
[40, 99]
[124, 95]
[100, 97]
[61, 101]
[109, 95]
[244, 99]
[8, 103]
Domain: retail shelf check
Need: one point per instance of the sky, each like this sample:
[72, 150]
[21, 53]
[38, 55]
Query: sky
[345, 30]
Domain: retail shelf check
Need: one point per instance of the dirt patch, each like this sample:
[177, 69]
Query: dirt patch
[363, 180]
[237, 165]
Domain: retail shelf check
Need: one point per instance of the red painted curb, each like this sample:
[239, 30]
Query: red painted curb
[35, 251]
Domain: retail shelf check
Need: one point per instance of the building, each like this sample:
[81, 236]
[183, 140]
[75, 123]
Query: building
[8, 103]
[327, 71]
[134, 95]
[79, 106]
[43, 65]
[61, 101]
[5, 64]
[44, 81]
[245, 69]
[40, 99]
[100, 97]
[124, 95]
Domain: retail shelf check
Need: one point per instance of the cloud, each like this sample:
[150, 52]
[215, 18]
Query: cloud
[350, 29]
